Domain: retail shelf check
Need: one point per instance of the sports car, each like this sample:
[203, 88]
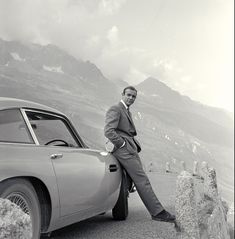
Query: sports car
[48, 170]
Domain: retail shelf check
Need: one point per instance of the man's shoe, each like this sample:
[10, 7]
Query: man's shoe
[164, 216]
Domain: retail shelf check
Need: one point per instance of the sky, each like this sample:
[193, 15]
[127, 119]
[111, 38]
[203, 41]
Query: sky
[187, 44]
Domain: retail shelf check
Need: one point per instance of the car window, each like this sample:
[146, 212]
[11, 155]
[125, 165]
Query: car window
[51, 130]
[13, 127]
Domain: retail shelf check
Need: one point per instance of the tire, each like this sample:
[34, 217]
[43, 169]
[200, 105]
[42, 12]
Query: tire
[22, 189]
[120, 210]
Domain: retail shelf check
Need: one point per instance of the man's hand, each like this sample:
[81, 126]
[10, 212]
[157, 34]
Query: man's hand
[109, 146]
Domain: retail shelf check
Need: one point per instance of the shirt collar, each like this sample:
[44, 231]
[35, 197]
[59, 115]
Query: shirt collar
[124, 104]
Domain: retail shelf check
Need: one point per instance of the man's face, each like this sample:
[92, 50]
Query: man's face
[129, 97]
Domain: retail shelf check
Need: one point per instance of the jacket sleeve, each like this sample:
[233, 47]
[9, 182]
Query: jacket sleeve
[111, 124]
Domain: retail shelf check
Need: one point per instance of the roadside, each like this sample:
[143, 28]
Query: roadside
[138, 225]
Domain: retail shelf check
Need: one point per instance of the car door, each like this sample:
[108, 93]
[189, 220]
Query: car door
[80, 172]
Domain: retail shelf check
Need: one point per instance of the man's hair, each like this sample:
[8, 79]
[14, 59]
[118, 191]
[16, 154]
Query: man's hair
[129, 88]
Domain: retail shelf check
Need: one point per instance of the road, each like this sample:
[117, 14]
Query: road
[138, 224]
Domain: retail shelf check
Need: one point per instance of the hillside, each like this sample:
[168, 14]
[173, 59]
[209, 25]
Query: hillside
[171, 127]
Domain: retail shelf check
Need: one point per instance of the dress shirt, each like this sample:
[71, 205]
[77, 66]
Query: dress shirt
[127, 108]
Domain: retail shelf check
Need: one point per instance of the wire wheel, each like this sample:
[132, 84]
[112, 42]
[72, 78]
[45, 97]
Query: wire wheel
[20, 201]
[22, 193]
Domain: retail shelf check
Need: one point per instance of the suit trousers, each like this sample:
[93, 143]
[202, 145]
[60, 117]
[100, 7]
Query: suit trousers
[130, 161]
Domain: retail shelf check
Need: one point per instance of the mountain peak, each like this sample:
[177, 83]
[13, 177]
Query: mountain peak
[152, 87]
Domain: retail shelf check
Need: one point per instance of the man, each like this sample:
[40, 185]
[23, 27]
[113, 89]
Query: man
[120, 130]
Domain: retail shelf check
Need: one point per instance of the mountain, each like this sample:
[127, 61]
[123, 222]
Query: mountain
[192, 117]
[160, 93]
[53, 65]
[171, 127]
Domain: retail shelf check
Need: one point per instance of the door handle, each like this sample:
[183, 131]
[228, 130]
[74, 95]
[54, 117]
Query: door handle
[113, 167]
[56, 156]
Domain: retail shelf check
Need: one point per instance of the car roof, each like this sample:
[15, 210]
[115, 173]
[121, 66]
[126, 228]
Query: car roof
[11, 103]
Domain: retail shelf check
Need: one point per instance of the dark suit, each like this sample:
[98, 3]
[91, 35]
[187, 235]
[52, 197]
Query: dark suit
[120, 128]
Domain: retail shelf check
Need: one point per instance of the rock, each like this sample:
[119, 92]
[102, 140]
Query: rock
[210, 182]
[14, 223]
[168, 168]
[200, 211]
[186, 207]
[195, 168]
[183, 165]
[217, 226]
[230, 220]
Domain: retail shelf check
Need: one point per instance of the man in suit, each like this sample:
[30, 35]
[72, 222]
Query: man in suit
[121, 132]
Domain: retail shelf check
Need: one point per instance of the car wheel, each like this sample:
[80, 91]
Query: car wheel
[120, 210]
[22, 193]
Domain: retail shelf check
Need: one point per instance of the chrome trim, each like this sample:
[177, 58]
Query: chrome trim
[29, 127]
[43, 112]
[17, 143]
[56, 156]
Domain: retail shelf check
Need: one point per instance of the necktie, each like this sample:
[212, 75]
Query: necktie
[133, 131]
[129, 113]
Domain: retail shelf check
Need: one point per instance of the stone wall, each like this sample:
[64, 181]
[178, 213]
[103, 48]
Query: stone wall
[14, 223]
[200, 212]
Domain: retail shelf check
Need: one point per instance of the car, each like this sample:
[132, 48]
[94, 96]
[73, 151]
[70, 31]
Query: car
[48, 170]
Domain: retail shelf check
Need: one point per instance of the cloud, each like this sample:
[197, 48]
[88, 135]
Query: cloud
[42, 20]
[134, 76]
[18, 22]
[112, 34]
[76, 26]
[118, 60]
[109, 7]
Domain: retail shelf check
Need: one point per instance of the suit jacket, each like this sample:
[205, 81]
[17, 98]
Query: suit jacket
[119, 127]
